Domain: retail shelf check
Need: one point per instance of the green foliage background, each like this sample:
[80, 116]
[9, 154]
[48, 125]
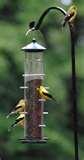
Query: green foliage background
[14, 18]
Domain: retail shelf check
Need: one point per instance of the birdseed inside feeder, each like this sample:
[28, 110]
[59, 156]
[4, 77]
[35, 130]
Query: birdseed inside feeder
[33, 77]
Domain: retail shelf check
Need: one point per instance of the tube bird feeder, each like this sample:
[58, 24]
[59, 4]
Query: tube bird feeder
[33, 78]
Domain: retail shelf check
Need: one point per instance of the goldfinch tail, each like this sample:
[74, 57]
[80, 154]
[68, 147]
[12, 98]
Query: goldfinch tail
[9, 114]
[12, 126]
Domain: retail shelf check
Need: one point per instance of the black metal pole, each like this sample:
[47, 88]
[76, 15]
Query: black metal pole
[74, 88]
[74, 92]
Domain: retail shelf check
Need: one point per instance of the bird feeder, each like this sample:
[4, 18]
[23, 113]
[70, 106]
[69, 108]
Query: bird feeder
[33, 78]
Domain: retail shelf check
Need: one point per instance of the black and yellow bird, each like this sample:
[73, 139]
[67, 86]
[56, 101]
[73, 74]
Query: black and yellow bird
[71, 15]
[20, 107]
[44, 93]
[19, 121]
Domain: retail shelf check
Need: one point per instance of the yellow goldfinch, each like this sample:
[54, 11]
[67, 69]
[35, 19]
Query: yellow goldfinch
[18, 108]
[71, 15]
[18, 121]
[44, 93]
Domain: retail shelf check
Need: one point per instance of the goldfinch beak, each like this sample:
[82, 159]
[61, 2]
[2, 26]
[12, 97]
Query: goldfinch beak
[37, 89]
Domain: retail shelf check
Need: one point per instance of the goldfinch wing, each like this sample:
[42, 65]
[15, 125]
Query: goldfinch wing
[48, 95]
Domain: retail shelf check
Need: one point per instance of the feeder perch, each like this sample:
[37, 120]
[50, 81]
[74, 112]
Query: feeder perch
[33, 77]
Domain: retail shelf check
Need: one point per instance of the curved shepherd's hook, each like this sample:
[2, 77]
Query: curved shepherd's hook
[36, 26]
